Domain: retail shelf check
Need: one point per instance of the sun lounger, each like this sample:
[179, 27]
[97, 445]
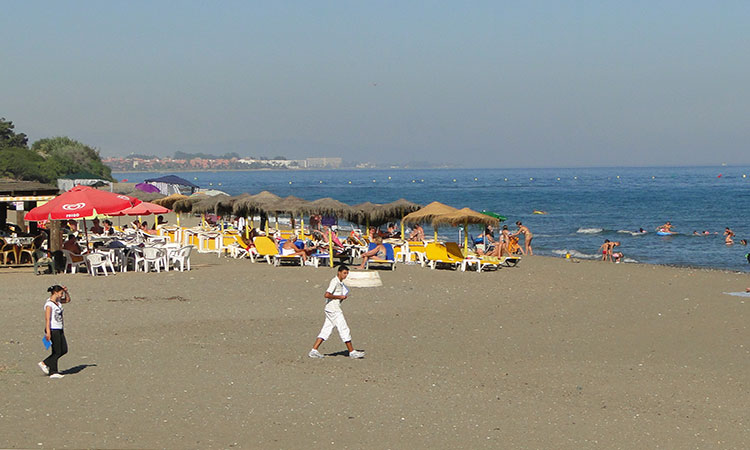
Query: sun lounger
[437, 254]
[279, 257]
[389, 260]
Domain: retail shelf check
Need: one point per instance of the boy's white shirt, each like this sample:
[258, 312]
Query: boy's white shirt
[335, 287]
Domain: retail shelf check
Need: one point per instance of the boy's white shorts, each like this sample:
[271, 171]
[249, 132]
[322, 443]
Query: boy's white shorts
[335, 319]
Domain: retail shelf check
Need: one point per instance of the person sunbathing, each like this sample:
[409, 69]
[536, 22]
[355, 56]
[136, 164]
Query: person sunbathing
[417, 234]
[290, 249]
[378, 252]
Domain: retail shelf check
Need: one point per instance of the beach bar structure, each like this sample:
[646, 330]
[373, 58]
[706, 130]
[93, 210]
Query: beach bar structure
[172, 184]
[22, 196]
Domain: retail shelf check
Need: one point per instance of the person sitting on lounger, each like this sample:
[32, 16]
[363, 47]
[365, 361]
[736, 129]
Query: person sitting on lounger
[378, 252]
[417, 234]
[290, 249]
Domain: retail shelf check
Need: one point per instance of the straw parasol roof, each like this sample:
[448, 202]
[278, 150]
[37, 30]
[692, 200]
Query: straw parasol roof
[291, 205]
[186, 204]
[429, 213]
[209, 205]
[328, 206]
[251, 204]
[169, 201]
[225, 204]
[366, 211]
[145, 196]
[397, 209]
[465, 216]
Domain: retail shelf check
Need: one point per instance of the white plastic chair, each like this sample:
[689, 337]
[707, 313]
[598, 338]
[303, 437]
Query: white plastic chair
[74, 265]
[153, 256]
[181, 256]
[98, 261]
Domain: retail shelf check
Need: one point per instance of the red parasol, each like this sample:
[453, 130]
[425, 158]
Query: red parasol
[80, 202]
[143, 209]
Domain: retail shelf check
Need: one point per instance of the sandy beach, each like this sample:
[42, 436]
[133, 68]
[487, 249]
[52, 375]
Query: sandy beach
[551, 354]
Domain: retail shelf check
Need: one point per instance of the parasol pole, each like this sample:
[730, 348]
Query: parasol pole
[402, 225]
[247, 227]
[178, 219]
[302, 224]
[86, 233]
[330, 248]
[466, 237]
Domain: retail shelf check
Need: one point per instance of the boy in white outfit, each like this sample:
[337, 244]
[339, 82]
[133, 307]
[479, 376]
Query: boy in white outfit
[336, 293]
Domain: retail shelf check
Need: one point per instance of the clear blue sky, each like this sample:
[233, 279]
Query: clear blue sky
[485, 83]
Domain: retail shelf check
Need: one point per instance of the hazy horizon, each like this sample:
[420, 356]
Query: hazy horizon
[485, 84]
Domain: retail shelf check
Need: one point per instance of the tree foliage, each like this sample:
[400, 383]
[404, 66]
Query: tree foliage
[47, 159]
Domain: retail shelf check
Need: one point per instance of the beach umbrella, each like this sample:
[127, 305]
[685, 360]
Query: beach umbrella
[145, 196]
[428, 214]
[332, 207]
[81, 202]
[145, 187]
[367, 212]
[142, 209]
[262, 202]
[397, 210]
[465, 216]
[292, 205]
[169, 201]
[494, 214]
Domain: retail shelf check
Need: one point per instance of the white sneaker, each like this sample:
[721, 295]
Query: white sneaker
[315, 354]
[56, 375]
[44, 367]
[356, 354]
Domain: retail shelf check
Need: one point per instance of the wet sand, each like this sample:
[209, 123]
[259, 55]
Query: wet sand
[551, 354]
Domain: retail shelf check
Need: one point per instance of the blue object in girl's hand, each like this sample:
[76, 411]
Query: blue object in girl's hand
[46, 342]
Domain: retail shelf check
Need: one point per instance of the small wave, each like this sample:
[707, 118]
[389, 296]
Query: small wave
[575, 254]
[589, 230]
[630, 260]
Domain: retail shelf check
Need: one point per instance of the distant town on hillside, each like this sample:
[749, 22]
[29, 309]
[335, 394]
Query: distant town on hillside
[232, 161]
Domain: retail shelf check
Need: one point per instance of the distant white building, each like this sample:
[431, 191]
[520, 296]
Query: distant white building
[330, 163]
[293, 163]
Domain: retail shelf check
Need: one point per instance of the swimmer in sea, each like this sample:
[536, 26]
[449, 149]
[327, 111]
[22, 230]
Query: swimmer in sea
[729, 235]
[743, 242]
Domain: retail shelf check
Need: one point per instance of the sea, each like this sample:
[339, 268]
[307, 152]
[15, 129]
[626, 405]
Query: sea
[581, 207]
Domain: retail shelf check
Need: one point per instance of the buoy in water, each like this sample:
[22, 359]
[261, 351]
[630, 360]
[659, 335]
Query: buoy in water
[389, 178]
[454, 180]
[350, 182]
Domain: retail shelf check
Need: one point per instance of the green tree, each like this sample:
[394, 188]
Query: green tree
[63, 155]
[9, 138]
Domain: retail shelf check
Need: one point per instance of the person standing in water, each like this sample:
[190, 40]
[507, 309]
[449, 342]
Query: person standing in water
[53, 329]
[523, 229]
[729, 235]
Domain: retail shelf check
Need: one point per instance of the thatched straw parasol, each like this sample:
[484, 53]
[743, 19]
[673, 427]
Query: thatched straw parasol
[186, 204]
[328, 206]
[428, 214]
[464, 217]
[169, 201]
[225, 204]
[398, 209]
[209, 205]
[366, 213]
[252, 204]
[145, 196]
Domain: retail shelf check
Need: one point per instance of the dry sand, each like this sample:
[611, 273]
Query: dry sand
[551, 354]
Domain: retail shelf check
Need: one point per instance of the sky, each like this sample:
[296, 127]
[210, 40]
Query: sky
[478, 84]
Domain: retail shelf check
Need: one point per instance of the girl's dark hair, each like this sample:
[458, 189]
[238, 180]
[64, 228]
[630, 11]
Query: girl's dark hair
[55, 288]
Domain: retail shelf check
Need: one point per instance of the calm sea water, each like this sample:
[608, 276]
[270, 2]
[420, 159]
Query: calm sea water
[583, 206]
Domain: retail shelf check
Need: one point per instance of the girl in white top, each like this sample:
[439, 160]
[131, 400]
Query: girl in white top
[336, 293]
[53, 329]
